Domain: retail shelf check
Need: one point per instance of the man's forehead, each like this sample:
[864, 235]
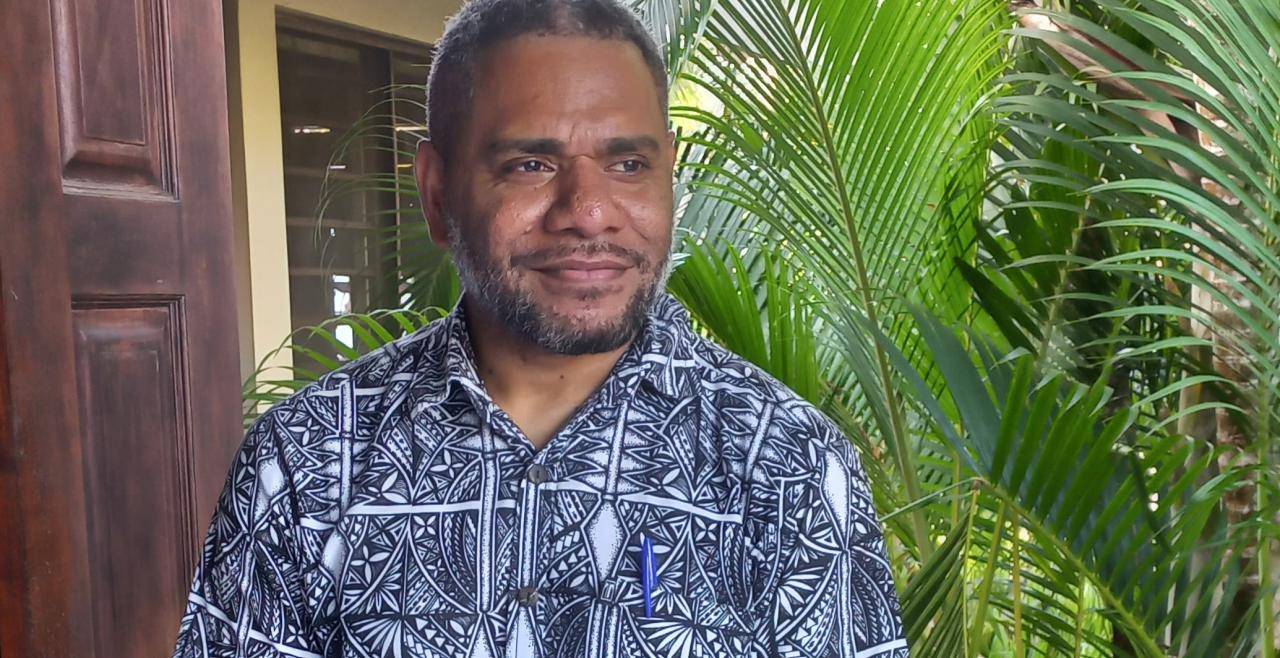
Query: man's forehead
[549, 52]
[550, 86]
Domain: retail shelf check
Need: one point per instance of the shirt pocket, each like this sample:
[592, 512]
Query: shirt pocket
[680, 625]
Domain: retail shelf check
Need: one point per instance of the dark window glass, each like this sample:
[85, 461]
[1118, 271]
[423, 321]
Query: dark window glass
[346, 191]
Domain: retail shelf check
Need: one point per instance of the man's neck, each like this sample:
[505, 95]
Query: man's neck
[540, 390]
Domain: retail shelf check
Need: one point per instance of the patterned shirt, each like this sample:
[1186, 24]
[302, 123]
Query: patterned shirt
[393, 510]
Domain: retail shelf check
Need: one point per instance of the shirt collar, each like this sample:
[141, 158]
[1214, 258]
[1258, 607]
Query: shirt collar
[661, 357]
[665, 349]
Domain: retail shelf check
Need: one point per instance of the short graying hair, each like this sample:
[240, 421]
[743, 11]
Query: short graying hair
[483, 24]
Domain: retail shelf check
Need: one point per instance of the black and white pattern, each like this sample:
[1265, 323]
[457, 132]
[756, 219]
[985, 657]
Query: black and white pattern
[392, 510]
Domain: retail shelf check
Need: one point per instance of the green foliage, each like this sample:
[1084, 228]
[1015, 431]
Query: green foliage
[1042, 443]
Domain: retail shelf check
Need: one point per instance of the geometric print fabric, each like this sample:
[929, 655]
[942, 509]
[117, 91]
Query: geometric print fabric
[393, 510]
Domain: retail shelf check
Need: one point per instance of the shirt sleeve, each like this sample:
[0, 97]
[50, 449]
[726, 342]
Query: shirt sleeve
[247, 598]
[835, 595]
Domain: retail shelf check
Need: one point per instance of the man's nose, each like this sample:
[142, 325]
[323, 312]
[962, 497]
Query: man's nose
[583, 203]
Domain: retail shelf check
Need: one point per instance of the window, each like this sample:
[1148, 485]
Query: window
[346, 192]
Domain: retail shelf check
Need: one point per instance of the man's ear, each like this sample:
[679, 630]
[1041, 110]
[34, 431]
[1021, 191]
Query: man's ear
[428, 168]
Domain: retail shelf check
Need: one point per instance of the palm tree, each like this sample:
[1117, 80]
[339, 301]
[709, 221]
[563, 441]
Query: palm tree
[1077, 272]
[1179, 156]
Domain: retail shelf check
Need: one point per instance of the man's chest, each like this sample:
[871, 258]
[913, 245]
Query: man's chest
[458, 541]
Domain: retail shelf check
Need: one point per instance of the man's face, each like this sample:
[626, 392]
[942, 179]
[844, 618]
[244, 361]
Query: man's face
[557, 200]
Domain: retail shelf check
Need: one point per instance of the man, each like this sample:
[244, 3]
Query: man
[561, 468]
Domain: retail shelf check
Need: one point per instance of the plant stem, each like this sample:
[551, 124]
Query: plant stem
[1267, 621]
[955, 502]
[1143, 642]
[984, 587]
[1079, 638]
[1263, 447]
[1019, 649]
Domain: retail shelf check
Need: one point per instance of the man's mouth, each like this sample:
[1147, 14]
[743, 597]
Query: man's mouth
[584, 270]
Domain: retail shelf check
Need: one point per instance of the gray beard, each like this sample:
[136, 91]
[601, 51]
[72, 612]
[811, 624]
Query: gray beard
[493, 289]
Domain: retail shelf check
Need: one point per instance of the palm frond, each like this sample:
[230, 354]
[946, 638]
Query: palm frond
[835, 135]
[1105, 501]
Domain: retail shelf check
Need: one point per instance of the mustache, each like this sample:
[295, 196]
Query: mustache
[542, 257]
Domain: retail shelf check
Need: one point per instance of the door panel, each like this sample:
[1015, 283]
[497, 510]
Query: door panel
[131, 476]
[114, 97]
[119, 406]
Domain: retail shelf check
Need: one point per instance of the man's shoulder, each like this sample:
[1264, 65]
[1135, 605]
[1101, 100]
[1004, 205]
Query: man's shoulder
[775, 441]
[364, 383]
[336, 418]
[748, 397]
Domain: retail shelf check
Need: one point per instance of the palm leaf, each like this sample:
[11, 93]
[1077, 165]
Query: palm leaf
[834, 136]
[1150, 132]
[1107, 503]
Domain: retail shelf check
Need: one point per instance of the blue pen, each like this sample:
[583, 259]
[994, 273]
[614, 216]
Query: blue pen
[648, 573]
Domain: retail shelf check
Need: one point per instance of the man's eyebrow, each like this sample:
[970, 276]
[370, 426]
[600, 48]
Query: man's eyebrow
[536, 146]
[549, 146]
[638, 144]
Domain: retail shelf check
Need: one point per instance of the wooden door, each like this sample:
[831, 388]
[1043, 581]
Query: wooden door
[119, 396]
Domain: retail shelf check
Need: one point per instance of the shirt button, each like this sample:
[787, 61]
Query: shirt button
[527, 596]
[537, 474]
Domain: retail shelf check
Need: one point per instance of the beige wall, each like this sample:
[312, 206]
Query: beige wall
[257, 159]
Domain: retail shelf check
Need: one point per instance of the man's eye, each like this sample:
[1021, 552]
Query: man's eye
[630, 166]
[530, 167]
